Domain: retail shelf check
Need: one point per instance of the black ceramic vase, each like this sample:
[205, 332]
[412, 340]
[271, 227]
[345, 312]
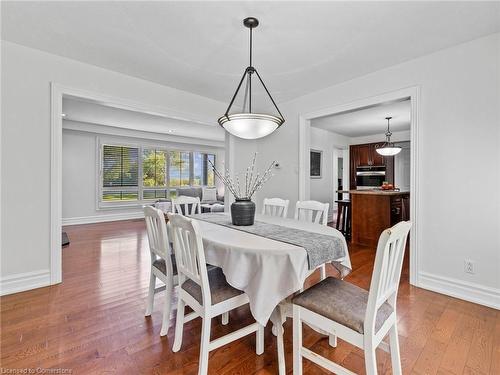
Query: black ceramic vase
[243, 212]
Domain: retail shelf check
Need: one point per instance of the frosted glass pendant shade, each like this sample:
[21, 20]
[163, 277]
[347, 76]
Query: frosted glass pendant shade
[250, 125]
[388, 150]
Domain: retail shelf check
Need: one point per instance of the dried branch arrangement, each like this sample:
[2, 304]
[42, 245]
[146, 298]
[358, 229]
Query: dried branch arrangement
[253, 181]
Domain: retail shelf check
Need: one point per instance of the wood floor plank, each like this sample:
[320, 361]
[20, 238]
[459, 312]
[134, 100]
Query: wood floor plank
[480, 353]
[455, 356]
[93, 323]
[445, 326]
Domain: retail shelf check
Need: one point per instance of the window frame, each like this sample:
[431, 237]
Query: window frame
[100, 189]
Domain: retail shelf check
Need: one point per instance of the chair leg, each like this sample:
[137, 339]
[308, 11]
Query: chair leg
[166, 310]
[349, 223]
[323, 272]
[395, 355]
[297, 341]
[259, 340]
[281, 352]
[332, 341]
[370, 359]
[205, 342]
[225, 318]
[344, 221]
[151, 295]
[179, 325]
[337, 224]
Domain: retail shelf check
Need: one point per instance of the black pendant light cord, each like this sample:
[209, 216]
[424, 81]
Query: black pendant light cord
[251, 28]
[250, 76]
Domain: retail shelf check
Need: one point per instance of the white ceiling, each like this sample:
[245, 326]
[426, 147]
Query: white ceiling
[96, 113]
[202, 47]
[368, 121]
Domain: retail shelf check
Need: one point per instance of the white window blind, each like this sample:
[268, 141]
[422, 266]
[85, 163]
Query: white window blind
[120, 171]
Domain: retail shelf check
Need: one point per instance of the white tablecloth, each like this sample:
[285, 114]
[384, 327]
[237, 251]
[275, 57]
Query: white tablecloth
[267, 270]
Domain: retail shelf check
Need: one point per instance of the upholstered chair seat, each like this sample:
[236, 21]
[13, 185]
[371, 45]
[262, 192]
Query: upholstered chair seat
[341, 302]
[220, 290]
[161, 265]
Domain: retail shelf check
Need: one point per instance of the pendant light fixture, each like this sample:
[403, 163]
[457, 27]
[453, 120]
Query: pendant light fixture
[388, 148]
[250, 125]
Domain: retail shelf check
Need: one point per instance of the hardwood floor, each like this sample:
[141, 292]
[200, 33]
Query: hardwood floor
[93, 323]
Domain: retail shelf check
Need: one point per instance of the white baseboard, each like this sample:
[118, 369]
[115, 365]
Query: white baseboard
[467, 291]
[102, 218]
[24, 281]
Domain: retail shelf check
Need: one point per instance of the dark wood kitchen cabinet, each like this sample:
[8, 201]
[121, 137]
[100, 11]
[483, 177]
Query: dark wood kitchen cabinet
[376, 158]
[367, 155]
[374, 211]
[363, 155]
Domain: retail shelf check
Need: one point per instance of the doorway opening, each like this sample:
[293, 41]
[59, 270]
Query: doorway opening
[87, 122]
[359, 128]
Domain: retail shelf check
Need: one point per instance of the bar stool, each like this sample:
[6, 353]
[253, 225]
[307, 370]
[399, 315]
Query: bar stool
[344, 217]
[405, 208]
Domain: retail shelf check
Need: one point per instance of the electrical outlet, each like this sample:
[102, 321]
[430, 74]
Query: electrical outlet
[469, 266]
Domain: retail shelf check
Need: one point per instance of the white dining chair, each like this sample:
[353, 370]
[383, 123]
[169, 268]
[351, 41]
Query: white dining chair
[206, 292]
[359, 317]
[275, 207]
[312, 211]
[163, 264]
[185, 205]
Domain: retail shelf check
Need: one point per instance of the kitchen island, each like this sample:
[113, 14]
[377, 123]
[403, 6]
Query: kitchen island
[372, 211]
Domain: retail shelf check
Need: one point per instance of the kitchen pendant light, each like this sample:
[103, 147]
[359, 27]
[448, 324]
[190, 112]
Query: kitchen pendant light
[250, 125]
[388, 148]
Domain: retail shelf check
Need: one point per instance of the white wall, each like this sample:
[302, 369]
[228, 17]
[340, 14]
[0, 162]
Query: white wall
[322, 189]
[79, 164]
[26, 75]
[459, 118]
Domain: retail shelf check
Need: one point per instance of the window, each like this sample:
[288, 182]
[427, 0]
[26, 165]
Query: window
[154, 168]
[203, 173]
[179, 169]
[210, 177]
[198, 170]
[135, 174]
[120, 173]
[154, 174]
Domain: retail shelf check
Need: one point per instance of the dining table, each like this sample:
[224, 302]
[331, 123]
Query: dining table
[267, 269]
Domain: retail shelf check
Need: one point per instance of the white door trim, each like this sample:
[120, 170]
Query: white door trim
[57, 93]
[304, 144]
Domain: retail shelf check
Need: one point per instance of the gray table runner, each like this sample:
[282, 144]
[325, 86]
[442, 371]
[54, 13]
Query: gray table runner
[320, 248]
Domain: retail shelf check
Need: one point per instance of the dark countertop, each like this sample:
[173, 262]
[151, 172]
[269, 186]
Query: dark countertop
[374, 192]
